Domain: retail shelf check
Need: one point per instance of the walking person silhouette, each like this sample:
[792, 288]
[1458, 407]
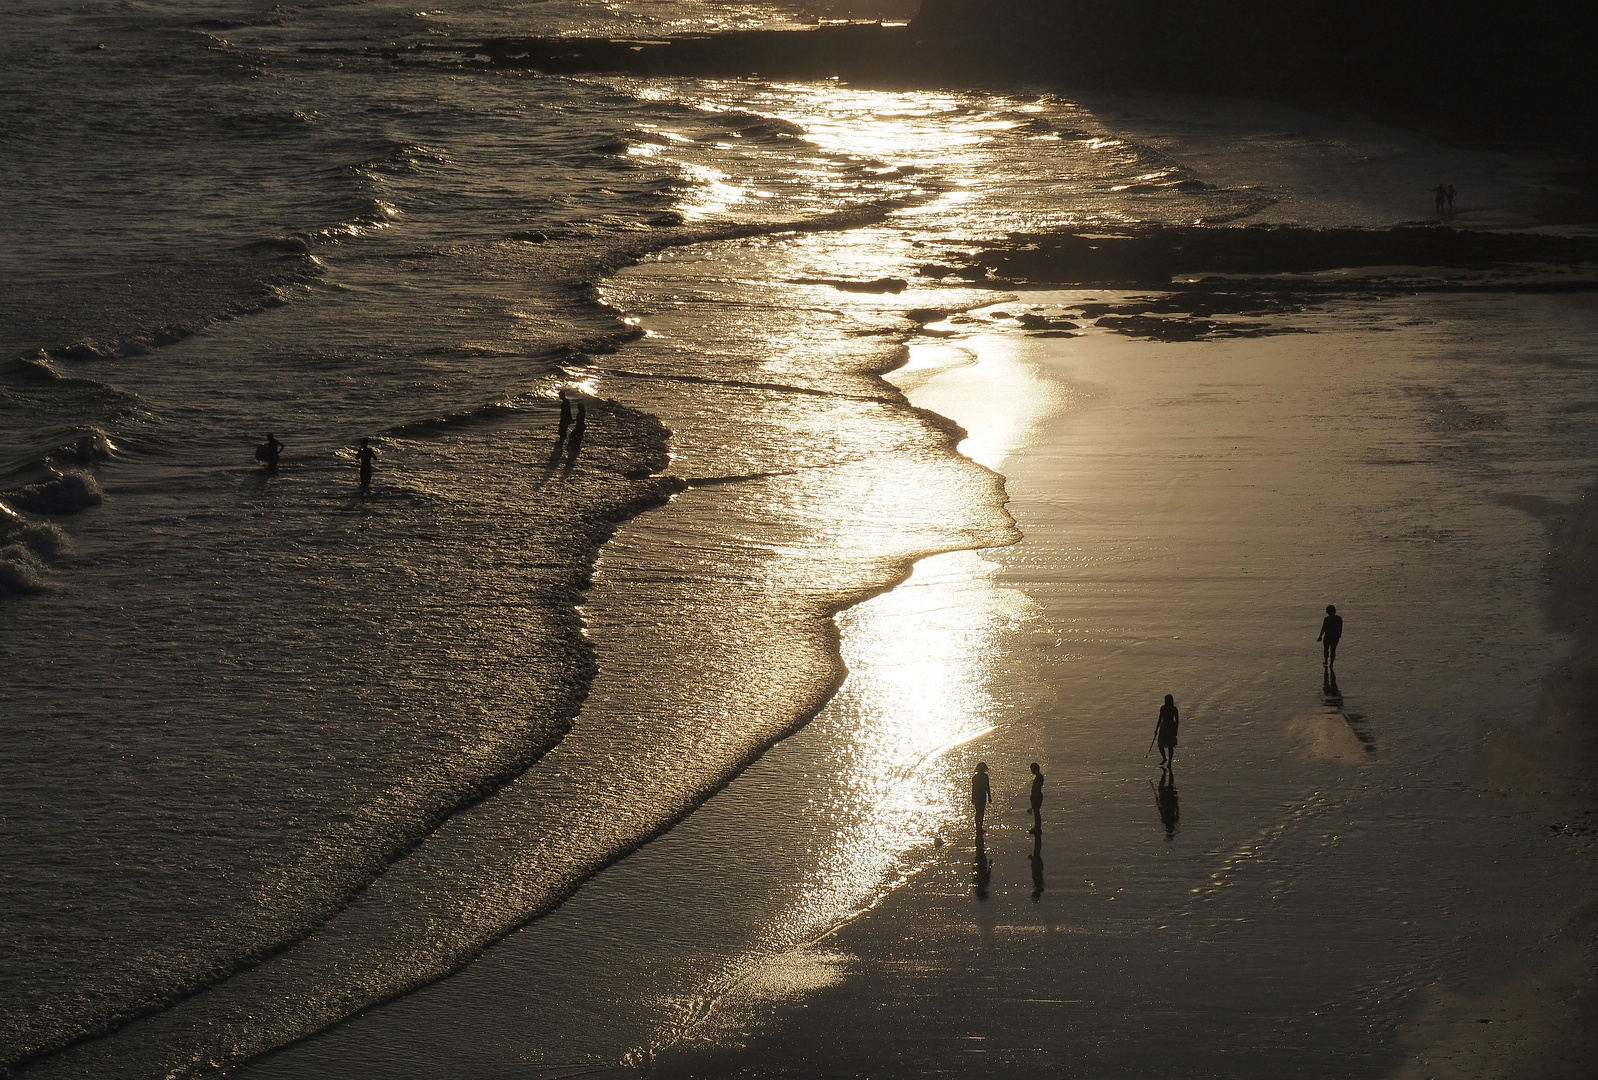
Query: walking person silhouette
[1331, 633]
[1165, 731]
[565, 417]
[981, 792]
[1037, 799]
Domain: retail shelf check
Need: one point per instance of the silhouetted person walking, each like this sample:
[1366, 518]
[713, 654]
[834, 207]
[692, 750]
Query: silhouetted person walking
[1441, 194]
[1037, 799]
[1449, 195]
[267, 453]
[366, 455]
[981, 791]
[1331, 633]
[565, 416]
[1165, 730]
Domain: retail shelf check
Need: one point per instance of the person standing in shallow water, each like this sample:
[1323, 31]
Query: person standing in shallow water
[565, 416]
[365, 455]
[981, 791]
[1331, 633]
[1037, 799]
[267, 453]
[1165, 731]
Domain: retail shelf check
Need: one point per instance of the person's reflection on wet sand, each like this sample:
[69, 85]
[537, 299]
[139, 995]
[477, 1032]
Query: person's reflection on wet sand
[1329, 690]
[984, 867]
[1036, 859]
[1165, 799]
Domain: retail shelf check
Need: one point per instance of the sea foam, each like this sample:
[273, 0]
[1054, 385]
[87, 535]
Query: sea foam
[64, 493]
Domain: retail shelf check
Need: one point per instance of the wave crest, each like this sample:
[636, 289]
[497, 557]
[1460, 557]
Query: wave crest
[25, 547]
[63, 493]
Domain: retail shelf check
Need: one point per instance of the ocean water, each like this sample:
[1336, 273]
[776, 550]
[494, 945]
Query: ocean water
[277, 750]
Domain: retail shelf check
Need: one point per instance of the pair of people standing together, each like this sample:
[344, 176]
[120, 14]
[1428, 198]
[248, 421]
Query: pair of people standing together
[982, 794]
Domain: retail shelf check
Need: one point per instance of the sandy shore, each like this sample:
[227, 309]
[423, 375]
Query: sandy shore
[1363, 880]
[1357, 882]
[1344, 891]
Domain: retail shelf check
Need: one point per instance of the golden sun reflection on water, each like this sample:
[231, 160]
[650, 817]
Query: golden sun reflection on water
[897, 738]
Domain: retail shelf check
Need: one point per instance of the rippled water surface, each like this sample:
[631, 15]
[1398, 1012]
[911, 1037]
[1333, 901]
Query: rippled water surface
[276, 749]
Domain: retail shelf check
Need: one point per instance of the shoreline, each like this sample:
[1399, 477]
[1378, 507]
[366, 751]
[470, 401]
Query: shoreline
[1045, 331]
[906, 959]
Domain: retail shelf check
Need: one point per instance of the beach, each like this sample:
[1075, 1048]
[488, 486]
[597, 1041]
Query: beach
[920, 428]
[1339, 886]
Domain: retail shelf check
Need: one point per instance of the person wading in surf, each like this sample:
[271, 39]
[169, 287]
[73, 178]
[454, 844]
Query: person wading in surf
[268, 452]
[366, 455]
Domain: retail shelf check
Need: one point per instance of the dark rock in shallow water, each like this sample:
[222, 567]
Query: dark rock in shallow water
[1155, 255]
[1033, 321]
[1156, 328]
[880, 285]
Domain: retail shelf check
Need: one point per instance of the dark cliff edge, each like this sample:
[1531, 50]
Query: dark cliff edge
[1484, 72]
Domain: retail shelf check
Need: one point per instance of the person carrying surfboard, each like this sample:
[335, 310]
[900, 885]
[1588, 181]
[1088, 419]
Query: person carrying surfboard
[267, 453]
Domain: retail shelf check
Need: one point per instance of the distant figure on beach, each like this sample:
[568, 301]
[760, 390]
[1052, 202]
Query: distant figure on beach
[1449, 194]
[565, 416]
[1331, 633]
[1441, 194]
[366, 455]
[267, 453]
[1165, 799]
[981, 791]
[1165, 731]
[1037, 799]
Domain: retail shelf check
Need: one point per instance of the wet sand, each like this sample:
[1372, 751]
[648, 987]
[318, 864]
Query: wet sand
[1359, 882]
[1346, 887]
[1389, 877]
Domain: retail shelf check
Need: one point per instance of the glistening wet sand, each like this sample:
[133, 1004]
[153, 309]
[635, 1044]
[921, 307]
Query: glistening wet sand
[1338, 883]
